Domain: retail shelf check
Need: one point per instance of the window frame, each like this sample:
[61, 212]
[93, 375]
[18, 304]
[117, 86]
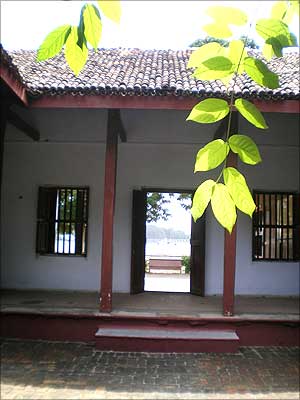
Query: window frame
[85, 221]
[293, 226]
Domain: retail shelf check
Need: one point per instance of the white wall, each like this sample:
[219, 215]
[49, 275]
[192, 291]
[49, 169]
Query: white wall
[160, 152]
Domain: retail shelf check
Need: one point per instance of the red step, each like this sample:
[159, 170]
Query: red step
[193, 340]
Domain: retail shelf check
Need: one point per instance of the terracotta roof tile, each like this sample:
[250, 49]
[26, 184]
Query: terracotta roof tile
[142, 72]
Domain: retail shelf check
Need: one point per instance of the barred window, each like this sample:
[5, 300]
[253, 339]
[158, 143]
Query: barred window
[62, 221]
[276, 227]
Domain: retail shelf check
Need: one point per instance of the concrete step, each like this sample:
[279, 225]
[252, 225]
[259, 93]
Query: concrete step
[186, 340]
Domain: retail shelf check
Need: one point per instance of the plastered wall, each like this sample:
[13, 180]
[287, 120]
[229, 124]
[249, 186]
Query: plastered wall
[160, 152]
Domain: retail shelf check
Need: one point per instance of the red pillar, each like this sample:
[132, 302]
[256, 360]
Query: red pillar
[4, 108]
[229, 259]
[108, 215]
[3, 122]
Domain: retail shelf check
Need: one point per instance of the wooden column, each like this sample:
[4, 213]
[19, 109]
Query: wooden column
[2, 135]
[108, 214]
[229, 259]
[4, 108]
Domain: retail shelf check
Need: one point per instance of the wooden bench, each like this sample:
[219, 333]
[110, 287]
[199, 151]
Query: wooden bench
[164, 265]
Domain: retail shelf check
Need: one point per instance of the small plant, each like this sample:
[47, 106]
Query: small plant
[186, 262]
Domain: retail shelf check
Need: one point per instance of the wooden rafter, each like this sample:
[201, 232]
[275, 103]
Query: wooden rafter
[15, 120]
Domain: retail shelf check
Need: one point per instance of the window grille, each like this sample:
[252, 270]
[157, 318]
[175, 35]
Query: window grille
[62, 221]
[276, 227]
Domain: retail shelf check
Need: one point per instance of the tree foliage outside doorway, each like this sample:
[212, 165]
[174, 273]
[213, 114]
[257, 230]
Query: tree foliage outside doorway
[250, 43]
[157, 204]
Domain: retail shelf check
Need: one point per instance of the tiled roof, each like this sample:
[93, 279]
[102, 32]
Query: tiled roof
[143, 72]
[7, 61]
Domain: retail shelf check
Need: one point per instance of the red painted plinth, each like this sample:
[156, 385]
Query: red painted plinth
[83, 327]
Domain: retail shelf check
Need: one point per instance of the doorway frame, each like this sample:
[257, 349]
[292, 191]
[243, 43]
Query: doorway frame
[201, 272]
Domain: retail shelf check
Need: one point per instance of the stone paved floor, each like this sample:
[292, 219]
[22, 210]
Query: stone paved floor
[53, 370]
[147, 303]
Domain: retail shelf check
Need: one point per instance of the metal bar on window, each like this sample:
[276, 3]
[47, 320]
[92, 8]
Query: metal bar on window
[86, 210]
[264, 224]
[70, 218]
[82, 220]
[287, 230]
[276, 255]
[75, 221]
[274, 226]
[59, 219]
[280, 226]
[270, 221]
[56, 223]
[65, 217]
[64, 222]
[254, 230]
[273, 229]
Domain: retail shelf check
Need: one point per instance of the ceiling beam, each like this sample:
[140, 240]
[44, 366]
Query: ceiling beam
[115, 117]
[23, 126]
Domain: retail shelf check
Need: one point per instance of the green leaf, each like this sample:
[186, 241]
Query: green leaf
[279, 10]
[111, 9]
[80, 30]
[227, 79]
[201, 198]
[245, 147]
[272, 47]
[260, 73]
[274, 28]
[227, 15]
[214, 68]
[237, 54]
[284, 11]
[203, 53]
[53, 42]
[223, 17]
[219, 30]
[92, 25]
[209, 111]
[211, 155]
[251, 113]
[239, 191]
[268, 51]
[223, 206]
[76, 56]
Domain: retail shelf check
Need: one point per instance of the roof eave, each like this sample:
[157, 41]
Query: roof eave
[13, 83]
[148, 103]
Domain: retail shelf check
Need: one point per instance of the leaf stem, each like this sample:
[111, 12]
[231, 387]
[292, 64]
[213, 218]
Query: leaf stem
[223, 167]
[232, 98]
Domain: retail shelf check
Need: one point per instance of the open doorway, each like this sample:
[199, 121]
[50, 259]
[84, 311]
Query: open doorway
[194, 244]
[168, 235]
